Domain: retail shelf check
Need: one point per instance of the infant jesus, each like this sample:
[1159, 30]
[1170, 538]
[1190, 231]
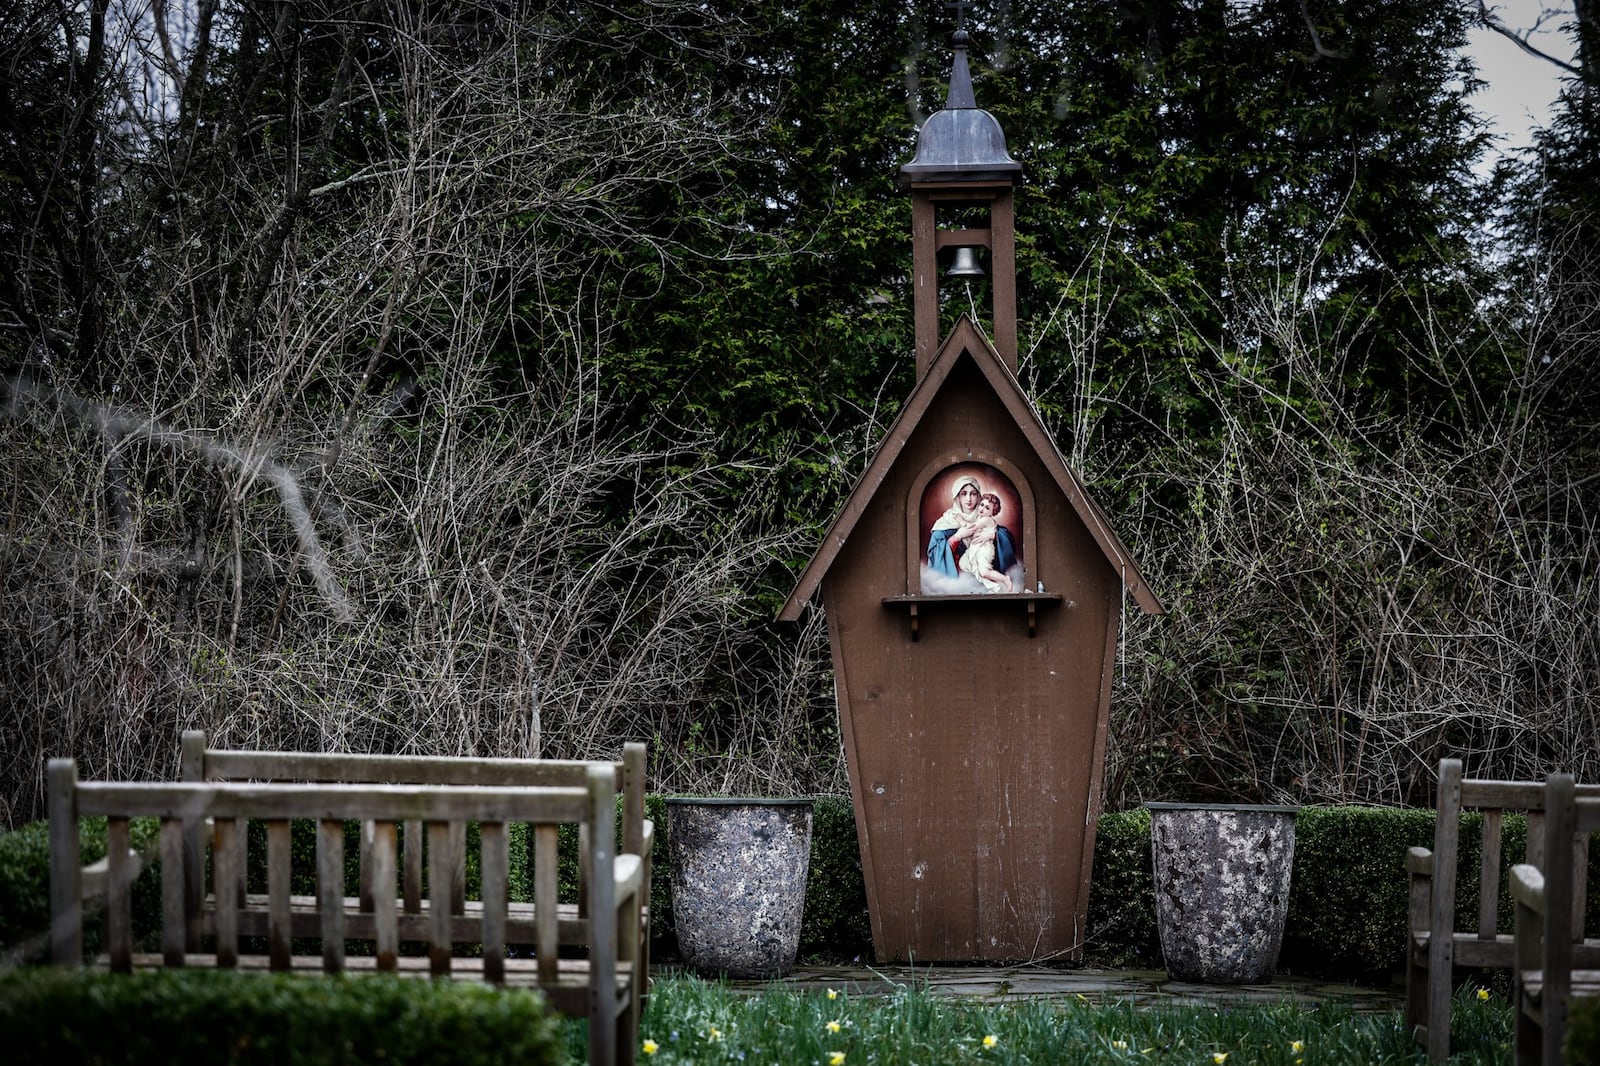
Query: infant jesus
[979, 536]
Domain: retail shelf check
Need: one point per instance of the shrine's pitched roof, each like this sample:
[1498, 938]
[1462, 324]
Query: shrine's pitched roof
[965, 341]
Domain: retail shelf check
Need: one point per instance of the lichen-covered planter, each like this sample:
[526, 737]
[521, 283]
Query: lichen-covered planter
[738, 882]
[1222, 888]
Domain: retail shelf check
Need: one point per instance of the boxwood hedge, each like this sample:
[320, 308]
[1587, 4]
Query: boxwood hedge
[215, 1017]
[1347, 907]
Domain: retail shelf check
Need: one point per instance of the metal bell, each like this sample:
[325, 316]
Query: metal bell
[965, 264]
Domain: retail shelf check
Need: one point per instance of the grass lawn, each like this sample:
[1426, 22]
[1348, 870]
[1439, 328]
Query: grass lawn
[693, 1021]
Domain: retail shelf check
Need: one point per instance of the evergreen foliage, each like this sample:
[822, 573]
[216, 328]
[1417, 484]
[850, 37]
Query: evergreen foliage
[558, 336]
[189, 1016]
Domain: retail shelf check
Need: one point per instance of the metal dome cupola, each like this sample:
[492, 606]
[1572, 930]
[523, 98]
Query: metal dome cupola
[963, 142]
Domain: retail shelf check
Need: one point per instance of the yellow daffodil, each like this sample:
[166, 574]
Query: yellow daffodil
[833, 993]
[1120, 1045]
[1297, 1046]
[1219, 1057]
[715, 1034]
[832, 1027]
[1483, 995]
[836, 1059]
[991, 1040]
[651, 1047]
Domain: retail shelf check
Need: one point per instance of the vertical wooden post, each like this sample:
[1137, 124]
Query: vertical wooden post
[602, 916]
[1419, 910]
[924, 279]
[1003, 263]
[1441, 949]
[66, 865]
[633, 771]
[634, 765]
[1560, 818]
[192, 768]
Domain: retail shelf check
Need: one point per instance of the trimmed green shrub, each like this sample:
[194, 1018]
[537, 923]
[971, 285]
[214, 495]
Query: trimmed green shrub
[836, 919]
[1348, 894]
[1582, 1045]
[66, 1017]
[1122, 895]
[1347, 906]
[25, 881]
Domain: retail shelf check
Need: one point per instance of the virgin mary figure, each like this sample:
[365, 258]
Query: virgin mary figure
[945, 546]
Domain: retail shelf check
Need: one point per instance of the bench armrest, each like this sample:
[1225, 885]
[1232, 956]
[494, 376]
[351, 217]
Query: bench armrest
[628, 876]
[97, 874]
[1527, 886]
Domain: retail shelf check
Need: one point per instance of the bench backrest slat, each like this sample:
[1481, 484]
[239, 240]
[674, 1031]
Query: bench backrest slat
[330, 892]
[386, 944]
[278, 859]
[411, 876]
[546, 883]
[1489, 874]
[119, 896]
[174, 907]
[443, 866]
[227, 868]
[495, 864]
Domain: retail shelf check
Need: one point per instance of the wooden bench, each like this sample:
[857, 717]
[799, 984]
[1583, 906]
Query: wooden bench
[1549, 919]
[197, 762]
[1434, 946]
[601, 986]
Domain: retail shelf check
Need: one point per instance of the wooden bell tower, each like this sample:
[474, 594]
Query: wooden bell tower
[962, 162]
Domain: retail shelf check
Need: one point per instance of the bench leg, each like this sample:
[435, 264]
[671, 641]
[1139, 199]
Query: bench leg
[1527, 1040]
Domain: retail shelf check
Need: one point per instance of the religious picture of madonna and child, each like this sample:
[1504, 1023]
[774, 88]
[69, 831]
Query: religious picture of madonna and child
[972, 529]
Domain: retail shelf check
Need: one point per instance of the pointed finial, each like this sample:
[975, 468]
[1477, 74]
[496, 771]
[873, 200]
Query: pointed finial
[960, 94]
[963, 142]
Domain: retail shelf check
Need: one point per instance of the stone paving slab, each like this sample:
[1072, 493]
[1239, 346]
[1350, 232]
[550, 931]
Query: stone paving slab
[1004, 984]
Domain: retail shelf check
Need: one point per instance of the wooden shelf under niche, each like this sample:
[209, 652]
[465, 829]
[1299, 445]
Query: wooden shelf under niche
[1030, 600]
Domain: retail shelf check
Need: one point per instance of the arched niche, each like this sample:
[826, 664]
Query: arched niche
[932, 494]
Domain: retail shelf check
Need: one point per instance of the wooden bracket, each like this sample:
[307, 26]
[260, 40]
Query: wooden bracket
[1033, 619]
[913, 623]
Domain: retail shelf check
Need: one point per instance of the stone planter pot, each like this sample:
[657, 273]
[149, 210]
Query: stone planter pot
[1222, 888]
[738, 882]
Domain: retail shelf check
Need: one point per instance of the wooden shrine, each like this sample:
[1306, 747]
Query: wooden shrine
[974, 594]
